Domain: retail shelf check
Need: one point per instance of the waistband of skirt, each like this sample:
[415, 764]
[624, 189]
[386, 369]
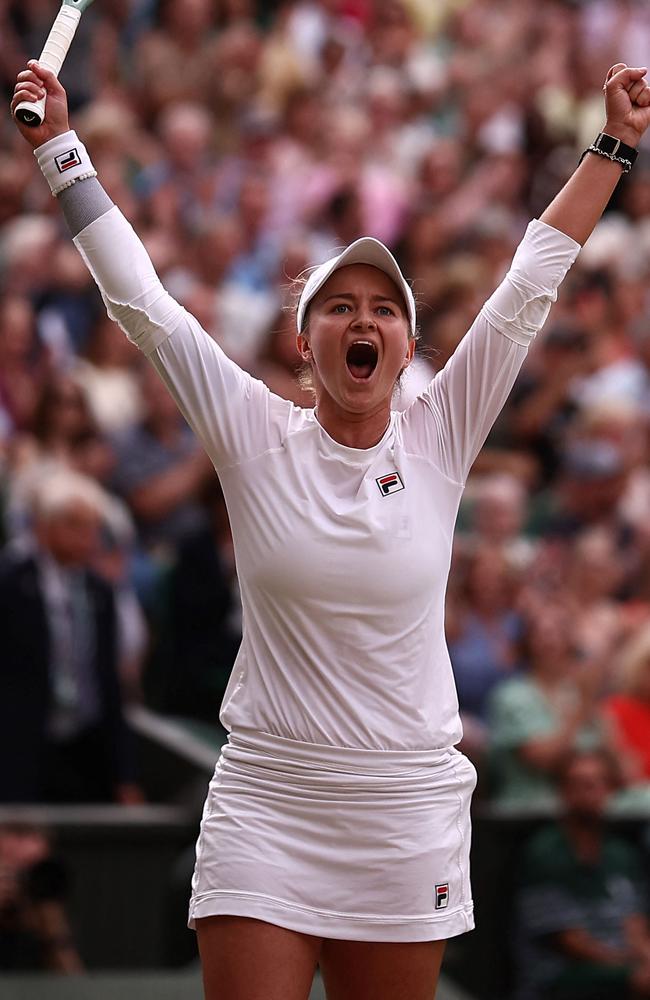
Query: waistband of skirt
[326, 755]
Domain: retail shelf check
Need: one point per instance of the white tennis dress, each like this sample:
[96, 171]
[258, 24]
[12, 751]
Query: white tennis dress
[339, 806]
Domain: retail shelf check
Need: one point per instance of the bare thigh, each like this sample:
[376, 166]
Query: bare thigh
[376, 970]
[247, 959]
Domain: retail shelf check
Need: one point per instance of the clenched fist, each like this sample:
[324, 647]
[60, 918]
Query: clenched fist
[627, 103]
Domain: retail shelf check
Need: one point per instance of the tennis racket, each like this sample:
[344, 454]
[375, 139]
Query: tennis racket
[55, 50]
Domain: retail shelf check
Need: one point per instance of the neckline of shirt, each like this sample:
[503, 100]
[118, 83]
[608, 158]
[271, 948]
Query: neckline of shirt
[355, 454]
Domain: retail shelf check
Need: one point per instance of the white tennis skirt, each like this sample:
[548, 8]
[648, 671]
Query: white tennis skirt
[363, 845]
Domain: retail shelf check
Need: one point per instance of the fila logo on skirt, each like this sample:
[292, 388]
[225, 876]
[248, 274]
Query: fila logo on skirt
[442, 896]
[389, 484]
[65, 161]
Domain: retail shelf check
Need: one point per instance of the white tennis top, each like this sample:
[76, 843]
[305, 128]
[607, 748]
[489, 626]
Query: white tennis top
[342, 554]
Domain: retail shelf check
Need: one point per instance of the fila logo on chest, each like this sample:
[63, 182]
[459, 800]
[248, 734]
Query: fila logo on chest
[390, 483]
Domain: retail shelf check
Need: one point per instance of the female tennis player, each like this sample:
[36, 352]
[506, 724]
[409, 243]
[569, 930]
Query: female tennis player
[336, 828]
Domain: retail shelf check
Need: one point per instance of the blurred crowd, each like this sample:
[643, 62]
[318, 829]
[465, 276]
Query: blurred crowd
[35, 931]
[245, 142]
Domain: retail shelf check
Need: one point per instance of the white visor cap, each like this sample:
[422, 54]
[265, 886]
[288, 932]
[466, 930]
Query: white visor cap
[367, 250]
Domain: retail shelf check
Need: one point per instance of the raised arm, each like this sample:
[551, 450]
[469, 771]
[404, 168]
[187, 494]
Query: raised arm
[583, 199]
[233, 414]
[464, 400]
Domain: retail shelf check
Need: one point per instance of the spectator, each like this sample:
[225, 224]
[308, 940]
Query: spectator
[178, 189]
[497, 518]
[23, 365]
[581, 905]
[35, 933]
[278, 363]
[160, 469]
[628, 708]
[61, 724]
[113, 563]
[173, 61]
[482, 633]
[106, 375]
[199, 619]
[589, 490]
[62, 435]
[542, 402]
[537, 718]
[593, 581]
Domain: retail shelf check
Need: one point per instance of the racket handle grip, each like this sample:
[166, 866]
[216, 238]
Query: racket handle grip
[54, 52]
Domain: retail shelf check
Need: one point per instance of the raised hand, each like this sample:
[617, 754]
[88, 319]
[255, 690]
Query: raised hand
[32, 84]
[627, 103]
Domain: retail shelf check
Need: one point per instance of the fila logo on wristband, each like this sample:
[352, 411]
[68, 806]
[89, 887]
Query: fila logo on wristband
[66, 161]
[442, 896]
[389, 484]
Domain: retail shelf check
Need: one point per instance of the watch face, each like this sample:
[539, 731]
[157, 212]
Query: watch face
[614, 147]
[607, 143]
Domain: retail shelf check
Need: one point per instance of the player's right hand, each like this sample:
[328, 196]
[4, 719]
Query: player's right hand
[32, 84]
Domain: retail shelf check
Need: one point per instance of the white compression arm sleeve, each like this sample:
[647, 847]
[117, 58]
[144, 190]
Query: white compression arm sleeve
[130, 287]
[234, 415]
[466, 397]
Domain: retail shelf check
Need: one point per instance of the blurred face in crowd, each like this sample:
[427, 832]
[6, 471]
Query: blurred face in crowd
[71, 534]
[159, 406]
[186, 131]
[356, 340]
[489, 582]
[253, 203]
[392, 32]
[548, 642]
[282, 343]
[216, 248]
[586, 786]
[16, 329]
[593, 497]
[500, 511]
[188, 18]
[65, 409]
[596, 570]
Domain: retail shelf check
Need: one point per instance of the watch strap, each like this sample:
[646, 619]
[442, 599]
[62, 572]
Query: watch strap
[613, 149]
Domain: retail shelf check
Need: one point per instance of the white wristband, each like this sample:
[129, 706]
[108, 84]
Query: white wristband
[64, 160]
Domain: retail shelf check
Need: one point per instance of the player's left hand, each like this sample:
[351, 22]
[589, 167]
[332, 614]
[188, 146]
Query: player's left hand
[627, 103]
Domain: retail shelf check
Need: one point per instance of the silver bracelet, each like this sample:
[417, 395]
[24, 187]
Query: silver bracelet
[626, 164]
[612, 148]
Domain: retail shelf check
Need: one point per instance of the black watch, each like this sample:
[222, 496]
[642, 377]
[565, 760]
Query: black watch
[612, 148]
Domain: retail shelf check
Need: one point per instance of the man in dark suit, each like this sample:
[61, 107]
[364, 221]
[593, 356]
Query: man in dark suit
[62, 734]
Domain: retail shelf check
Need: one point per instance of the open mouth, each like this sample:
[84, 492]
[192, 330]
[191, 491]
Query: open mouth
[361, 359]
